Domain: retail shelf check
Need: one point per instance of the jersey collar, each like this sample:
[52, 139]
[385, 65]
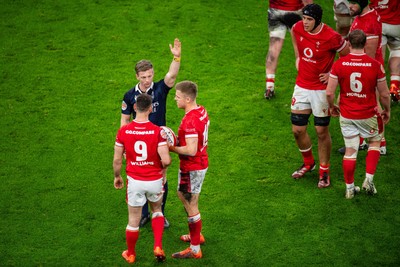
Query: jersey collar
[149, 90]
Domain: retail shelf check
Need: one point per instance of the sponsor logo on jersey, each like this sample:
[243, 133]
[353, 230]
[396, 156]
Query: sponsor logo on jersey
[139, 132]
[356, 64]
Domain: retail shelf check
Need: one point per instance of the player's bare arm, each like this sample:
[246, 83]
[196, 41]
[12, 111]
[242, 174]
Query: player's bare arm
[345, 50]
[170, 77]
[125, 119]
[330, 96]
[165, 157]
[371, 45]
[296, 51]
[189, 150]
[117, 165]
[384, 99]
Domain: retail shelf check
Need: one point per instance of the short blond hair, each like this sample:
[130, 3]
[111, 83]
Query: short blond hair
[188, 88]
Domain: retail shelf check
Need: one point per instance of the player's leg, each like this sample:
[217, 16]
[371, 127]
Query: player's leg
[324, 149]
[145, 217]
[369, 127]
[164, 202]
[189, 189]
[154, 194]
[190, 202]
[300, 113]
[320, 110]
[274, 50]
[372, 160]
[157, 224]
[277, 33]
[349, 165]
[383, 144]
[303, 141]
[351, 136]
[136, 200]
[132, 233]
[391, 37]
[394, 66]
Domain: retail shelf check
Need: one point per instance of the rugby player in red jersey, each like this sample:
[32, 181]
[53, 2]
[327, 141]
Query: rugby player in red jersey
[359, 76]
[315, 45]
[192, 151]
[389, 11]
[147, 156]
[282, 14]
[369, 21]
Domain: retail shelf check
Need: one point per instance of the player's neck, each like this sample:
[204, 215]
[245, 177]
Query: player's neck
[141, 117]
[190, 106]
[317, 29]
[365, 10]
[357, 51]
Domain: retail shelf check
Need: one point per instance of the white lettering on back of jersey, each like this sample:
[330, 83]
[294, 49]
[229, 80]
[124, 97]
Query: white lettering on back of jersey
[357, 95]
[356, 64]
[142, 163]
[139, 132]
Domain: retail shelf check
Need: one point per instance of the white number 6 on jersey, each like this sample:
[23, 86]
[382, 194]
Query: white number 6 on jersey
[355, 84]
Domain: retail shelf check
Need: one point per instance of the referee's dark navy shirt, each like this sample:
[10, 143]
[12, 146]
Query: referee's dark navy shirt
[159, 92]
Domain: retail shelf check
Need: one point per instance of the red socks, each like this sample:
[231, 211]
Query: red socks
[349, 167]
[195, 226]
[323, 169]
[131, 239]
[157, 224]
[372, 161]
[308, 157]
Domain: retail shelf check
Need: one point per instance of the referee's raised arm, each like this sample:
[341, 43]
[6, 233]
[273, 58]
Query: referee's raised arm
[172, 73]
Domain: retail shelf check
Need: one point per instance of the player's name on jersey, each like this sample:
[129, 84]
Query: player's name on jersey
[357, 64]
[139, 132]
[142, 163]
[357, 95]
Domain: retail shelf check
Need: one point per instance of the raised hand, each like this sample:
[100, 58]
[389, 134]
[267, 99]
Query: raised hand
[176, 49]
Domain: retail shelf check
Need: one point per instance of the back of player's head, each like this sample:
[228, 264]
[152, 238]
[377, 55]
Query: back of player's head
[188, 88]
[314, 11]
[361, 3]
[143, 65]
[357, 39]
[143, 102]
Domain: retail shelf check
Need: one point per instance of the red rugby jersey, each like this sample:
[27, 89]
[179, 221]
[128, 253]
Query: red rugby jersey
[194, 124]
[317, 53]
[370, 23]
[288, 5]
[357, 75]
[389, 10]
[141, 141]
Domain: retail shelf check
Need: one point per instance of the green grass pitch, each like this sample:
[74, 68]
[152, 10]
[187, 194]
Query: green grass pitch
[65, 66]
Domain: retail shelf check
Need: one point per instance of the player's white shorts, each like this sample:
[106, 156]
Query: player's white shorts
[366, 128]
[341, 7]
[391, 36]
[276, 26]
[310, 99]
[138, 191]
[191, 182]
